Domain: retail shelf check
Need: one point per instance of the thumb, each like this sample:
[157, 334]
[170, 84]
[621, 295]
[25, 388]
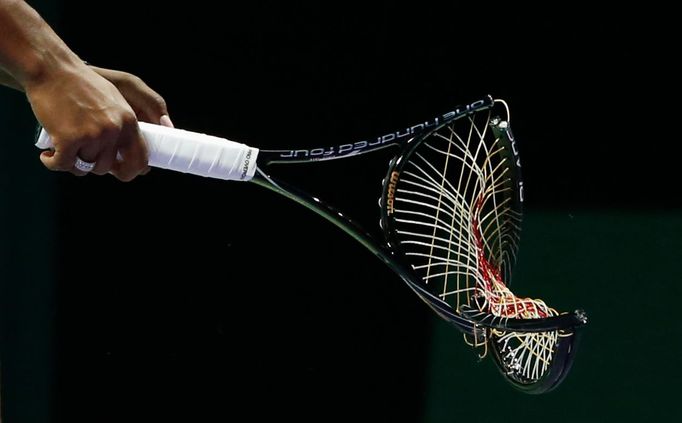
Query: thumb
[148, 105]
[165, 121]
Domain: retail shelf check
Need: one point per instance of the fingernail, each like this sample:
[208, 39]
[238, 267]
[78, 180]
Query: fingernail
[165, 121]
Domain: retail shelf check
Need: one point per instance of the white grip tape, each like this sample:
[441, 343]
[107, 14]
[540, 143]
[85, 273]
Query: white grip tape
[191, 152]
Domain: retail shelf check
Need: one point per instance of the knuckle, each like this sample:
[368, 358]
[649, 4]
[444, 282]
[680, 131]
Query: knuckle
[128, 79]
[160, 102]
[125, 177]
[101, 130]
[65, 143]
[103, 170]
[134, 79]
[128, 119]
[61, 163]
[51, 166]
[125, 173]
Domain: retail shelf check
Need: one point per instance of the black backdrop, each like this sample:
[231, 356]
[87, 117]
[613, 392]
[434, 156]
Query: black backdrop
[201, 300]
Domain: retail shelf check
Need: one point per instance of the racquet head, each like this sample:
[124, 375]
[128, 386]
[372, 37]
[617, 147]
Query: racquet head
[451, 213]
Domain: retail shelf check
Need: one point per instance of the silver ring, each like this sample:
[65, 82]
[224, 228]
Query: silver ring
[84, 166]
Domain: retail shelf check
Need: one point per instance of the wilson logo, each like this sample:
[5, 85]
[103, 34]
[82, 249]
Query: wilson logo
[390, 194]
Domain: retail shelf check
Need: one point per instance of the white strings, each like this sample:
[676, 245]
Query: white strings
[458, 224]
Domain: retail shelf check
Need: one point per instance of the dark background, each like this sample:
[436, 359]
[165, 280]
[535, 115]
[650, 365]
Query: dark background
[176, 297]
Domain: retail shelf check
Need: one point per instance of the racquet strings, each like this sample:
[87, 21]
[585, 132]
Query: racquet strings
[458, 218]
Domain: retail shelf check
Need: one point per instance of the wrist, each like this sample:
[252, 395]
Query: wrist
[47, 66]
[30, 51]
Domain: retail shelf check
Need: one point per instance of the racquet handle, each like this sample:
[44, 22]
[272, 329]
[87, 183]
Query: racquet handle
[190, 152]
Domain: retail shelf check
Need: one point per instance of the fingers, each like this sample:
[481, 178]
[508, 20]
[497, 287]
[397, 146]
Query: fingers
[58, 160]
[105, 160]
[147, 103]
[101, 125]
[102, 150]
[54, 161]
[99, 150]
[134, 154]
[149, 106]
[165, 121]
[97, 147]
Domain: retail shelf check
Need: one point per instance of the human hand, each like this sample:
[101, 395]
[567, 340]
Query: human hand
[92, 119]
[147, 104]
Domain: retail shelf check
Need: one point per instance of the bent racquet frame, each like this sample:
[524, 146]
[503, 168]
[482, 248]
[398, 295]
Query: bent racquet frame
[479, 212]
[451, 208]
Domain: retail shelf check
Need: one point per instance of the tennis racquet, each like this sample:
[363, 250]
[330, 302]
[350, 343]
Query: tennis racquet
[451, 208]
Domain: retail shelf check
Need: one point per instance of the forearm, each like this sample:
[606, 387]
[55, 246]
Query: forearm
[29, 49]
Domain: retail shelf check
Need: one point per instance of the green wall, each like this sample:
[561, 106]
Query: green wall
[26, 292]
[27, 300]
[624, 270]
